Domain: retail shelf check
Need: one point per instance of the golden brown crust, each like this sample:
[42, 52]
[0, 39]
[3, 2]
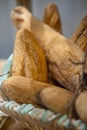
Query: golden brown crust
[23, 90]
[55, 98]
[81, 106]
[80, 36]
[60, 52]
[28, 59]
[52, 17]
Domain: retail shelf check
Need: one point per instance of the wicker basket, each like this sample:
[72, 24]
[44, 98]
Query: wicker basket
[34, 118]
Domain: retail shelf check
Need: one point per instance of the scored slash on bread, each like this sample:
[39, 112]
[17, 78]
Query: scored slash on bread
[58, 50]
[28, 57]
[33, 40]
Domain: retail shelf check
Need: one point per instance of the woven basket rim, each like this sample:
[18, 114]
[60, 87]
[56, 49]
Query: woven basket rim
[44, 120]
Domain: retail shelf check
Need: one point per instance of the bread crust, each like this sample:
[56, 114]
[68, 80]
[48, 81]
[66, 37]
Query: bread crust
[28, 57]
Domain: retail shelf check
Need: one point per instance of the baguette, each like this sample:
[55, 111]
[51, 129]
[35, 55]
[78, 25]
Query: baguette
[28, 57]
[59, 51]
[81, 106]
[22, 89]
[26, 90]
[52, 17]
[55, 98]
[80, 36]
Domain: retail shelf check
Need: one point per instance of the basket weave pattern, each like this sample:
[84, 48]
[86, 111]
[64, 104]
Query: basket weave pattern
[34, 118]
[31, 117]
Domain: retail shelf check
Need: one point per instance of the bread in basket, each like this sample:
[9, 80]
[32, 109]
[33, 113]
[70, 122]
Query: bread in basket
[54, 46]
[34, 118]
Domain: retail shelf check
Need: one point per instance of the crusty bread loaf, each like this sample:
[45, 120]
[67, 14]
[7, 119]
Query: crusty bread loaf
[81, 106]
[26, 90]
[52, 17]
[80, 36]
[22, 89]
[60, 52]
[28, 57]
[55, 98]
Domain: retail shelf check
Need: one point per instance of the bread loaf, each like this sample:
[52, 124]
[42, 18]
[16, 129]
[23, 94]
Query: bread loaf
[28, 57]
[81, 106]
[60, 52]
[26, 90]
[80, 36]
[52, 17]
[23, 90]
[55, 98]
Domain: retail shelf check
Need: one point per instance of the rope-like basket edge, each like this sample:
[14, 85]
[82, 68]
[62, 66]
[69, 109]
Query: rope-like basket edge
[28, 114]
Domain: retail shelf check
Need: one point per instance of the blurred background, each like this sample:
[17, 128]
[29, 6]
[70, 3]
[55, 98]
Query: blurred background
[71, 12]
